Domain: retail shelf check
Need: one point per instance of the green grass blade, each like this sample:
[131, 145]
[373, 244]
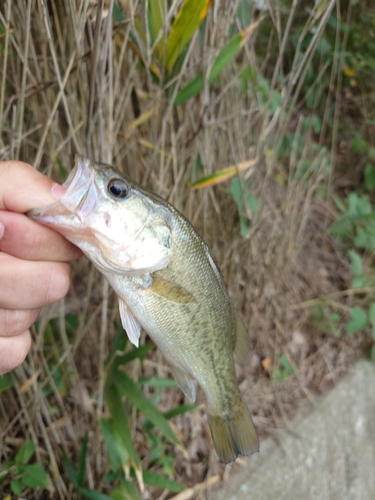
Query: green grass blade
[188, 20]
[70, 470]
[139, 352]
[126, 491]
[120, 425]
[162, 482]
[179, 410]
[82, 462]
[129, 388]
[6, 382]
[156, 16]
[191, 90]
[226, 55]
[114, 451]
[93, 495]
[25, 452]
[156, 381]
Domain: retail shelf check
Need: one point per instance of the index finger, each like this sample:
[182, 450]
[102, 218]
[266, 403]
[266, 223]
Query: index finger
[23, 188]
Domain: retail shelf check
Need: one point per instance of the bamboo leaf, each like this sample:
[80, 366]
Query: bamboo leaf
[188, 20]
[162, 482]
[93, 495]
[225, 56]
[139, 352]
[129, 388]
[156, 16]
[120, 426]
[126, 491]
[222, 175]
[70, 470]
[179, 410]
[82, 462]
[156, 381]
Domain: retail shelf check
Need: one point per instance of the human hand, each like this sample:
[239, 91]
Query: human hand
[34, 260]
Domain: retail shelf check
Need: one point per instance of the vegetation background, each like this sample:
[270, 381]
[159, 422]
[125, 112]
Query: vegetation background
[256, 120]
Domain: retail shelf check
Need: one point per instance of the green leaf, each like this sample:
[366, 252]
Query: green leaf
[119, 423]
[34, 476]
[116, 452]
[187, 21]
[156, 381]
[246, 204]
[139, 352]
[339, 203]
[156, 16]
[82, 462]
[72, 474]
[93, 495]
[371, 315]
[16, 487]
[369, 177]
[225, 56]
[25, 452]
[356, 262]
[126, 491]
[191, 90]
[358, 320]
[6, 382]
[117, 14]
[162, 482]
[179, 410]
[129, 388]
[358, 144]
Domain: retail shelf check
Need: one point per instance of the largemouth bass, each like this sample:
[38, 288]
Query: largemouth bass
[167, 283]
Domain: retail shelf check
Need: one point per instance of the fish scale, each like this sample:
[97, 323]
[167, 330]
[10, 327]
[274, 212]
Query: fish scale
[167, 283]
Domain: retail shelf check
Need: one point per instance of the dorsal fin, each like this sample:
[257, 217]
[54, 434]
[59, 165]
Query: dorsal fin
[243, 348]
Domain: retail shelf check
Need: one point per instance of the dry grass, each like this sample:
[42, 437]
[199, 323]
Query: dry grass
[71, 84]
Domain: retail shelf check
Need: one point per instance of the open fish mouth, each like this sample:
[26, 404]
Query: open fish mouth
[78, 202]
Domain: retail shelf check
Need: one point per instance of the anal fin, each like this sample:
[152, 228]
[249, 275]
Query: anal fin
[185, 382]
[130, 324]
[243, 348]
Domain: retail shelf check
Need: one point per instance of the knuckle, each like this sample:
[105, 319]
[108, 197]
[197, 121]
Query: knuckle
[58, 283]
[13, 322]
[14, 351]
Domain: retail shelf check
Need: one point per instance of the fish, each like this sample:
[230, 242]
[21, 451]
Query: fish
[167, 283]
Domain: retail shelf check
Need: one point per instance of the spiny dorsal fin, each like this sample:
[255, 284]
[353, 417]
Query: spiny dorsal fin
[243, 348]
[170, 291]
[185, 382]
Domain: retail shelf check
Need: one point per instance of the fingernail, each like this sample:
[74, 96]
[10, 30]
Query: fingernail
[57, 191]
[1, 230]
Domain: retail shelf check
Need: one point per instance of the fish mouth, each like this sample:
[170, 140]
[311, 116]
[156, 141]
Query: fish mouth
[76, 204]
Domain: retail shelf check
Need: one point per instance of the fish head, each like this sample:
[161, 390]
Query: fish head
[114, 221]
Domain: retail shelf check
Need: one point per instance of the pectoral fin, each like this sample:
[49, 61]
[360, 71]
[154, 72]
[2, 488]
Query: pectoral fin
[170, 291]
[185, 382]
[130, 324]
[243, 348]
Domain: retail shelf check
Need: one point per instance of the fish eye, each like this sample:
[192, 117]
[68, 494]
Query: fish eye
[118, 188]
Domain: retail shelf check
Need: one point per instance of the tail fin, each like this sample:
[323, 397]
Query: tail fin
[234, 436]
